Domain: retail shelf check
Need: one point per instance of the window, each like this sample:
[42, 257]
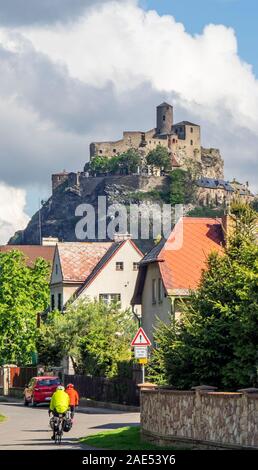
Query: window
[164, 118]
[100, 151]
[115, 298]
[53, 302]
[56, 269]
[160, 291]
[154, 291]
[173, 141]
[48, 382]
[135, 266]
[110, 298]
[60, 302]
[191, 130]
[114, 150]
[191, 142]
[119, 266]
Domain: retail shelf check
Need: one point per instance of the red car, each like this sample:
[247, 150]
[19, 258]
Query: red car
[40, 390]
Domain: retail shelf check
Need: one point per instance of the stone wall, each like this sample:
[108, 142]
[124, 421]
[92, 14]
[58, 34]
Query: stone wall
[200, 418]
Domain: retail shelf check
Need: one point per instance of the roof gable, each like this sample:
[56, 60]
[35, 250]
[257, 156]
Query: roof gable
[114, 248]
[77, 260]
[182, 268]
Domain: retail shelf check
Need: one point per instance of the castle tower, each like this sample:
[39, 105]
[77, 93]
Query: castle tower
[164, 118]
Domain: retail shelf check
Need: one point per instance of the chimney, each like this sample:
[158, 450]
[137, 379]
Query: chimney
[228, 226]
[49, 241]
[119, 237]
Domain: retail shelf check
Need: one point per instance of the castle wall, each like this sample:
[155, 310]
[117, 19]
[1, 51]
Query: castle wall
[189, 140]
[58, 179]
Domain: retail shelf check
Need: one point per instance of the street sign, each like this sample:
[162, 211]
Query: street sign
[141, 339]
[143, 361]
[140, 352]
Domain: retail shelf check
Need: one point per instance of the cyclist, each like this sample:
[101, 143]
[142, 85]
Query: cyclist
[59, 404]
[74, 398]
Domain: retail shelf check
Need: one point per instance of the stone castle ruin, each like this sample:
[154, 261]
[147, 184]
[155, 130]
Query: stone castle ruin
[183, 142]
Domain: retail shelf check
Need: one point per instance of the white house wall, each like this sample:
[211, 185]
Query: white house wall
[110, 281]
[151, 311]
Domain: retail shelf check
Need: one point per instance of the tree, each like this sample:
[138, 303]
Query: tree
[24, 293]
[216, 341]
[183, 184]
[160, 158]
[178, 187]
[99, 165]
[129, 161]
[96, 336]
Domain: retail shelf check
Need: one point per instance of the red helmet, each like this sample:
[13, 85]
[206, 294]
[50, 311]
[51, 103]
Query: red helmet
[70, 386]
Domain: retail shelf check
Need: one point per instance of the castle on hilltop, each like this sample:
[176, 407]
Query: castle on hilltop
[182, 140]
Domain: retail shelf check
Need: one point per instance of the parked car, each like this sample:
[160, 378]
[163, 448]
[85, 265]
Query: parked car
[40, 390]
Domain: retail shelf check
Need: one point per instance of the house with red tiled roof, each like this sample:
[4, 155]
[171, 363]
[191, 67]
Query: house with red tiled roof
[173, 268]
[32, 252]
[104, 271]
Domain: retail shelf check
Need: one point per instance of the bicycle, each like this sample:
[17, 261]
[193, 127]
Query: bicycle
[56, 423]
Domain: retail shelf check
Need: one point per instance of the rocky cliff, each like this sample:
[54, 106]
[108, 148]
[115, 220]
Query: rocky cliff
[57, 216]
[58, 213]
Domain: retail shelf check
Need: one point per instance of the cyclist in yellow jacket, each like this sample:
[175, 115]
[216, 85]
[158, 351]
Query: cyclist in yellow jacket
[59, 404]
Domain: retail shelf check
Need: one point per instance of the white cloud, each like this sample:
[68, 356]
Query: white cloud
[12, 211]
[125, 45]
[63, 86]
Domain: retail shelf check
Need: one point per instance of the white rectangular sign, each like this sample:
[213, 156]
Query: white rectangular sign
[140, 352]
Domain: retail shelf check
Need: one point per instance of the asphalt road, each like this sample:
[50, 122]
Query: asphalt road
[27, 428]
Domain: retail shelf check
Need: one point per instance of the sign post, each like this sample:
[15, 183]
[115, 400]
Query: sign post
[140, 344]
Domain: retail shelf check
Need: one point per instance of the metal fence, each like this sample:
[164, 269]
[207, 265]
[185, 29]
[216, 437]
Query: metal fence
[122, 391]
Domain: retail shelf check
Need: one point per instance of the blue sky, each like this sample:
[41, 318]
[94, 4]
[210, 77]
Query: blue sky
[241, 15]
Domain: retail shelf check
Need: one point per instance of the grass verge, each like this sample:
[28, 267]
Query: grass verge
[127, 438]
[2, 418]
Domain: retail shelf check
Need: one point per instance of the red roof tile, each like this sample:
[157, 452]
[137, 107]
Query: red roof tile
[79, 259]
[32, 252]
[181, 268]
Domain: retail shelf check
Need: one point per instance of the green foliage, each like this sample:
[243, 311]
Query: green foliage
[125, 163]
[24, 292]
[99, 165]
[95, 335]
[182, 186]
[127, 438]
[206, 212]
[160, 158]
[216, 341]
[178, 187]
[129, 161]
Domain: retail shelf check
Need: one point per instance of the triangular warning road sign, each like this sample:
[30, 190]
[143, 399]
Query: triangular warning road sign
[141, 339]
